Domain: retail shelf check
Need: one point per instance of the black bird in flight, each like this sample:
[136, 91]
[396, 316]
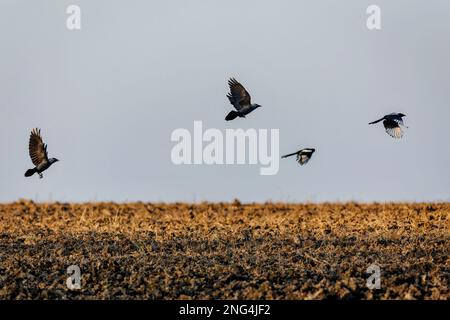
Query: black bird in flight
[303, 155]
[240, 99]
[393, 123]
[38, 154]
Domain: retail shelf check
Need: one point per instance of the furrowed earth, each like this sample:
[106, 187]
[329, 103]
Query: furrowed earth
[224, 250]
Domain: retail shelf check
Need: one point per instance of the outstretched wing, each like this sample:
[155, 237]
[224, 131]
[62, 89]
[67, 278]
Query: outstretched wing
[37, 148]
[238, 96]
[393, 128]
[303, 156]
[399, 121]
[395, 117]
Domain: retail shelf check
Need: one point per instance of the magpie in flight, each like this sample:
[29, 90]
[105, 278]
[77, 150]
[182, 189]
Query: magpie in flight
[303, 155]
[393, 123]
[240, 99]
[38, 154]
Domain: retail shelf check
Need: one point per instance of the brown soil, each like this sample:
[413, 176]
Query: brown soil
[224, 251]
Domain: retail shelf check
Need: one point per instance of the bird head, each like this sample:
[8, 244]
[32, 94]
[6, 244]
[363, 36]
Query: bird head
[402, 115]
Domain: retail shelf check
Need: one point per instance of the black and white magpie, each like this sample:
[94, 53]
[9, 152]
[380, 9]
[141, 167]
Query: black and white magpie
[240, 99]
[38, 154]
[392, 124]
[303, 155]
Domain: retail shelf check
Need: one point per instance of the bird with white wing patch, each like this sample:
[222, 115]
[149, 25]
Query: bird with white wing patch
[393, 124]
[303, 155]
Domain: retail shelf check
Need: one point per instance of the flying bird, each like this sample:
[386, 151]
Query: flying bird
[240, 99]
[392, 124]
[303, 155]
[38, 154]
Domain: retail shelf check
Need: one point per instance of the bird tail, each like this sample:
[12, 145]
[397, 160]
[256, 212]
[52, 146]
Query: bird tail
[30, 172]
[232, 115]
[373, 122]
[288, 155]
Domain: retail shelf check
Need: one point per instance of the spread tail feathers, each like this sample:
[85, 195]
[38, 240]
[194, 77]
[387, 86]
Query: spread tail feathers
[288, 155]
[30, 172]
[373, 122]
[232, 115]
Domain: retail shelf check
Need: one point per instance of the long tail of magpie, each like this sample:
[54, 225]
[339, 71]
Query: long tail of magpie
[376, 121]
[288, 155]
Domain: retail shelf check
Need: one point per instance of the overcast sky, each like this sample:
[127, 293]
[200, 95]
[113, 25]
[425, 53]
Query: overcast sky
[107, 97]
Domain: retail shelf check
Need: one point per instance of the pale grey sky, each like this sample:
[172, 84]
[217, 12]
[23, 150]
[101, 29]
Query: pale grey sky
[107, 97]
